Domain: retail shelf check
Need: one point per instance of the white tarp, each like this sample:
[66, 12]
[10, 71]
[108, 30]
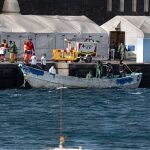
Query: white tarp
[135, 27]
[49, 32]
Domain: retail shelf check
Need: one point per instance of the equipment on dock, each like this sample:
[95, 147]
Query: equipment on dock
[76, 49]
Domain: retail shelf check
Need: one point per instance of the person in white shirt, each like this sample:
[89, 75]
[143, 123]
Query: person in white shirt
[52, 71]
[2, 52]
[43, 62]
[33, 60]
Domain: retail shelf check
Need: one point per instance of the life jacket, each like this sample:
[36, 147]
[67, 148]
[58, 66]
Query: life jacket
[27, 45]
[30, 45]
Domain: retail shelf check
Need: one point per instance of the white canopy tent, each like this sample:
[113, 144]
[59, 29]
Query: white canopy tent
[137, 30]
[49, 32]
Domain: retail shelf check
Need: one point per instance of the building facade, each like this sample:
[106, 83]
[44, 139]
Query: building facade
[99, 11]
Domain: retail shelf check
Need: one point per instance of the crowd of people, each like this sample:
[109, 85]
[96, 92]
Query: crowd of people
[30, 58]
[107, 70]
[8, 47]
[117, 51]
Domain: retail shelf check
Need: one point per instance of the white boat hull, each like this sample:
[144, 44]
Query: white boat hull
[42, 79]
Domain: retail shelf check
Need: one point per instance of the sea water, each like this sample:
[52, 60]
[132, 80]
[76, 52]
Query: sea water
[108, 119]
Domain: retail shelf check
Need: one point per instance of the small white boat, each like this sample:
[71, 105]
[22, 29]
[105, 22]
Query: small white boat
[43, 79]
[62, 148]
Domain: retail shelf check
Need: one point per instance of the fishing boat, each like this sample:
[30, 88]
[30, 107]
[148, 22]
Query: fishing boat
[43, 79]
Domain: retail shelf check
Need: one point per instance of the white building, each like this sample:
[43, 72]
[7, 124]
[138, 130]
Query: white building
[137, 35]
[48, 32]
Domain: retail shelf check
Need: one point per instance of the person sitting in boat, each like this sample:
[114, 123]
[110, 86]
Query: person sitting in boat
[33, 60]
[89, 75]
[52, 71]
[122, 69]
[109, 70]
[99, 69]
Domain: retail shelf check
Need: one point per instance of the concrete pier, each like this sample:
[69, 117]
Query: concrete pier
[12, 77]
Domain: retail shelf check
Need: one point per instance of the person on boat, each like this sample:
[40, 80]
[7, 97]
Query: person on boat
[43, 61]
[99, 69]
[109, 70]
[13, 50]
[89, 75]
[2, 52]
[122, 69]
[121, 51]
[52, 71]
[33, 60]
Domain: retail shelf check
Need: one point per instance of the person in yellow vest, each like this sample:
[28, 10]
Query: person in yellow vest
[13, 52]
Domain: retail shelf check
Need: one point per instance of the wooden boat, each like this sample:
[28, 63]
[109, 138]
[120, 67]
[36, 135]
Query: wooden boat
[42, 79]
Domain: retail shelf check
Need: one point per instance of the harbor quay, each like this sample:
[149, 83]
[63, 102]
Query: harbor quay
[12, 77]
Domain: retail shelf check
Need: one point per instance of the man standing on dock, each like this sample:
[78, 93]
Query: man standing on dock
[121, 51]
[13, 52]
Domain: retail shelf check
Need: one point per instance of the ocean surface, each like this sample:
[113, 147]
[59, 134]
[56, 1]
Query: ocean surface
[108, 119]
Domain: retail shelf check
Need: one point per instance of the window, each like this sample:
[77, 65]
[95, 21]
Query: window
[146, 5]
[134, 4]
[109, 5]
[121, 5]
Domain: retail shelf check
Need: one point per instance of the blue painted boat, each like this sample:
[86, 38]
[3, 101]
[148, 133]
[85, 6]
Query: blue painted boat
[43, 79]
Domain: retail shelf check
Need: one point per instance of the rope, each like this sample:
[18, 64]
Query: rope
[61, 111]
[128, 68]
